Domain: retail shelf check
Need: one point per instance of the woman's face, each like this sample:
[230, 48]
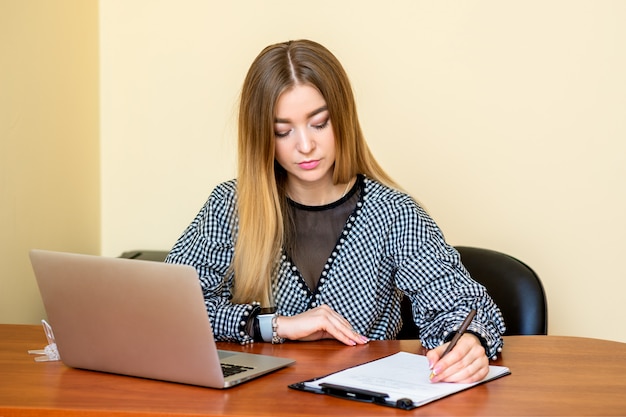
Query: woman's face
[305, 142]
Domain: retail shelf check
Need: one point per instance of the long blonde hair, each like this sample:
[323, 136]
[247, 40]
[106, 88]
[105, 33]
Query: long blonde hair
[260, 180]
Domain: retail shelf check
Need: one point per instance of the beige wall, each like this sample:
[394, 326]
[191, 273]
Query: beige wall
[505, 119]
[49, 156]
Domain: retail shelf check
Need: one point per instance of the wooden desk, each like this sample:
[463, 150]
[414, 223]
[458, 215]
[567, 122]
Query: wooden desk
[551, 375]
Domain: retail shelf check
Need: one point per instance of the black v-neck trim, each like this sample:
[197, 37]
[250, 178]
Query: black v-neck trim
[314, 294]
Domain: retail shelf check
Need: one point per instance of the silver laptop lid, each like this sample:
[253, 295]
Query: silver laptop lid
[130, 317]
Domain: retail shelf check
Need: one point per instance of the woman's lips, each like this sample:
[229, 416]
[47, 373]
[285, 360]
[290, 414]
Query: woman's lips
[307, 165]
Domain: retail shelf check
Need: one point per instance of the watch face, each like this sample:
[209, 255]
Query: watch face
[268, 310]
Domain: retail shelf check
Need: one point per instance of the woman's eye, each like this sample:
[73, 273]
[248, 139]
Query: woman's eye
[282, 134]
[322, 125]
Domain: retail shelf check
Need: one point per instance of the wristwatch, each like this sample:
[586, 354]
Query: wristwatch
[264, 319]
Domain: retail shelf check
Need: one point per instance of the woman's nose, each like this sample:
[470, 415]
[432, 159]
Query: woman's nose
[305, 142]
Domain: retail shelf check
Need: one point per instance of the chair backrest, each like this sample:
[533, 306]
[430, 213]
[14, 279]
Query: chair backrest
[512, 284]
[145, 255]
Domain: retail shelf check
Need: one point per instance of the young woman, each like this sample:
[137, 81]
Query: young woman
[314, 228]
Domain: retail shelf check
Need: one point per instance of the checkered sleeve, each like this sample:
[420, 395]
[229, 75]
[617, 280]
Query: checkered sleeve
[441, 290]
[208, 245]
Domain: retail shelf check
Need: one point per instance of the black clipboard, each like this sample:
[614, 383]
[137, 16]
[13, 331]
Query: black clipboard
[355, 394]
[382, 398]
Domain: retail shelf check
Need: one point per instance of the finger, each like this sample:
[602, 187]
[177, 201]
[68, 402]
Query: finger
[346, 334]
[433, 356]
[337, 319]
[439, 361]
[466, 373]
[341, 329]
[461, 355]
[447, 365]
[450, 373]
[467, 362]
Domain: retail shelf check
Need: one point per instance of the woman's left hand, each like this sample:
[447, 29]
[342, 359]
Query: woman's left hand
[465, 363]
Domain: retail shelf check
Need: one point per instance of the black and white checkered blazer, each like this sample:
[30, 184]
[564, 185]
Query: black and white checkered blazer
[389, 246]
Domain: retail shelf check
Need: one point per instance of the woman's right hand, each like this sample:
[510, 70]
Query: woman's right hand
[318, 323]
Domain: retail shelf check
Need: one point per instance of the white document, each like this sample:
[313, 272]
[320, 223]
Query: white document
[400, 376]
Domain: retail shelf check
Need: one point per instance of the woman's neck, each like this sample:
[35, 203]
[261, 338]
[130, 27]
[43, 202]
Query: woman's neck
[317, 194]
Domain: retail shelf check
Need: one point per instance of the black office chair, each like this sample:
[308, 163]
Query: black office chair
[146, 255]
[512, 284]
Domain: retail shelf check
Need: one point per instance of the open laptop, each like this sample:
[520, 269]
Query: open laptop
[139, 318]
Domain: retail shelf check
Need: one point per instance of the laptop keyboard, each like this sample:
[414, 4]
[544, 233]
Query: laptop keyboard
[229, 369]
